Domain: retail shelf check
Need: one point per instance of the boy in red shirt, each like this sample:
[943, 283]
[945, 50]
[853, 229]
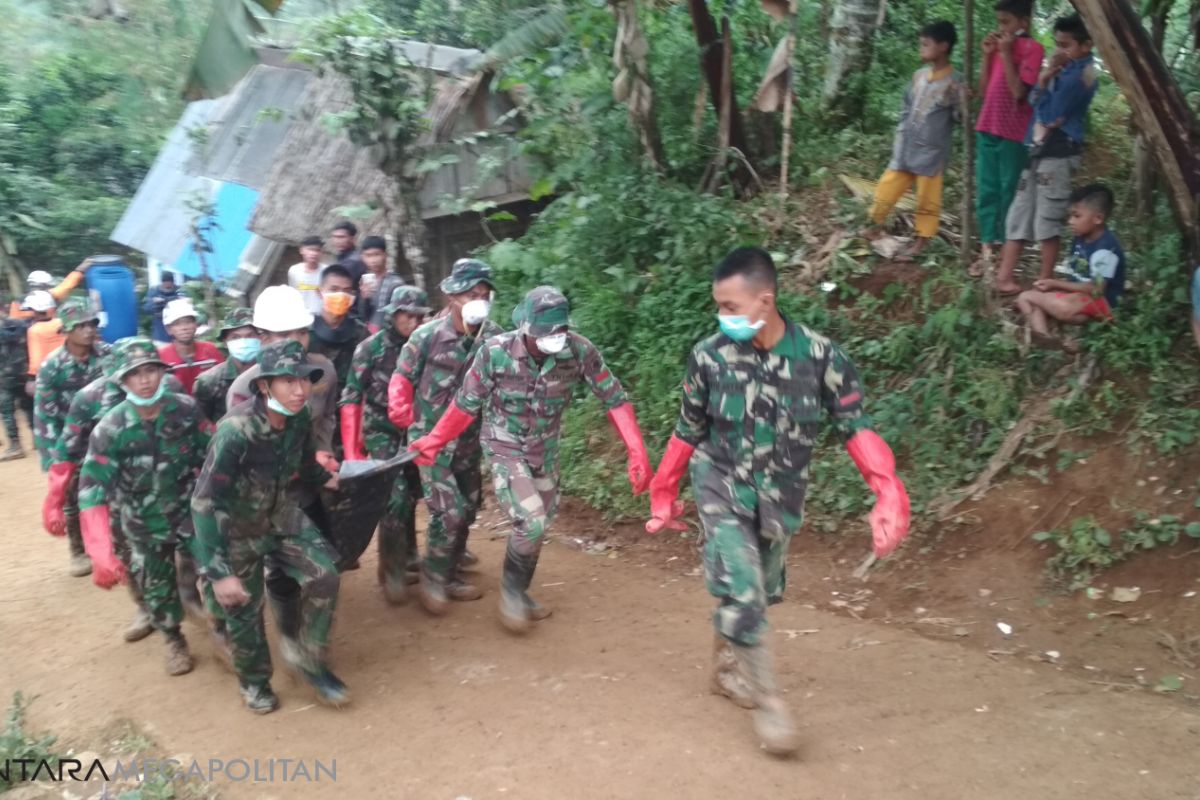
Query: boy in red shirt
[186, 357]
[1012, 60]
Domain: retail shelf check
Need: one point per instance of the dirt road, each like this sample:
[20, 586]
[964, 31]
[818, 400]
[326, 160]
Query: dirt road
[607, 699]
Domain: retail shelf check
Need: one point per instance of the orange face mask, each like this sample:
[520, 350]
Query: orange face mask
[338, 303]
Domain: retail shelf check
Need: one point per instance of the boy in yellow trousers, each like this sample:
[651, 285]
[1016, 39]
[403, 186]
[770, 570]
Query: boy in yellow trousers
[932, 106]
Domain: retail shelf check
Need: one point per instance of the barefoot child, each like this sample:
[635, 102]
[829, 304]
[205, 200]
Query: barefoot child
[923, 138]
[1095, 271]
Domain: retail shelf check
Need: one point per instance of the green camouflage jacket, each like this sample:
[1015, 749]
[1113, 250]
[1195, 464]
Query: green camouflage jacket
[58, 379]
[435, 360]
[211, 386]
[244, 488]
[145, 470]
[523, 401]
[87, 407]
[753, 418]
[367, 385]
[322, 401]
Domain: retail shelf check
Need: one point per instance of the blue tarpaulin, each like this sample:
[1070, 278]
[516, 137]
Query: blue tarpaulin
[228, 236]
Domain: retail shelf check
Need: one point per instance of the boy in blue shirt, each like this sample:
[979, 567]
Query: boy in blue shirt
[1055, 141]
[1094, 272]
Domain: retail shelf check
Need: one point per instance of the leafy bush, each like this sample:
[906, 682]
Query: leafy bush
[16, 742]
[1085, 548]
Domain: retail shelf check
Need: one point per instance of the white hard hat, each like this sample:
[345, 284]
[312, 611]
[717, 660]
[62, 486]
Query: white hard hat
[39, 301]
[177, 310]
[280, 309]
[40, 277]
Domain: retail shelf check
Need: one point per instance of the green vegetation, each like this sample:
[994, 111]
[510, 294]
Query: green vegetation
[1085, 548]
[17, 742]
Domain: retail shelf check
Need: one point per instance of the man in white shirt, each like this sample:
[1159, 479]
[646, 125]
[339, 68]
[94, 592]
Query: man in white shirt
[306, 276]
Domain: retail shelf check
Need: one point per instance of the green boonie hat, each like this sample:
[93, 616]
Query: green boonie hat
[74, 313]
[545, 310]
[286, 360]
[411, 299]
[465, 275]
[238, 318]
[130, 353]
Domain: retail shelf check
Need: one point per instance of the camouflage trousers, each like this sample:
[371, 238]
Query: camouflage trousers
[744, 570]
[529, 497]
[397, 538]
[303, 557]
[12, 398]
[152, 568]
[453, 490]
[125, 556]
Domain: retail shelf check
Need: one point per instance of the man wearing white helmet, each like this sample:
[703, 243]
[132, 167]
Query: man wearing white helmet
[281, 313]
[186, 357]
[41, 281]
[45, 334]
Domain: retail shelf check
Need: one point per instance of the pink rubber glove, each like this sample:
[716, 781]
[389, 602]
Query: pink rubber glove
[352, 441]
[448, 428]
[665, 506]
[625, 421]
[890, 517]
[107, 570]
[400, 401]
[53, 519]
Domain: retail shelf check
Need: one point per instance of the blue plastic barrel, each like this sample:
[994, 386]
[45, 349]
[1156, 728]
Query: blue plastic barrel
[110, 285]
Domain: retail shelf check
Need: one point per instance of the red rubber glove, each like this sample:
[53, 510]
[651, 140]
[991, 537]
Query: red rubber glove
[890, 517]
[665, 505]
[107, 570]
[328, 462]
[400, 401]
[448, 428]
[352, 441]
[625, 421]
[53, 519]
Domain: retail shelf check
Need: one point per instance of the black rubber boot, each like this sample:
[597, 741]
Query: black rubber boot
[515, 580]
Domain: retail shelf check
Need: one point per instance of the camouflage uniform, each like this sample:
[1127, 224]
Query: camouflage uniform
[213, 384]
[523, 403]
[367, 385]
[753, 418]
[145, 471]
[434, 361]
[59, 377]
[244, 511]
[14, 368]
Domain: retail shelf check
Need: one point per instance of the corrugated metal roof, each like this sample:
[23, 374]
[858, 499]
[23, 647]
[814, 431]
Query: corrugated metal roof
[245, 133]
[156, 221]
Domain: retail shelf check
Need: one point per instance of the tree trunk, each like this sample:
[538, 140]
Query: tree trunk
[851, 42]
[632, 84]
[400, 208]
[967, 247]
[1159, 108]
[1145, 177]
[712, 61]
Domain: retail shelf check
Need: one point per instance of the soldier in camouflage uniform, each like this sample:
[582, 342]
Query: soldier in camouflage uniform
[366, 429]
[14, 366]
[66, 371]
[429, 371]
[243, 509]
[752, 402]
[87, 407]
[522, 381]
[143, 460]
[242, 341]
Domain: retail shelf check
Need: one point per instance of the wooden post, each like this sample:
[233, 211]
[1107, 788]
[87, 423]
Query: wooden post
[967, 247]
[786, 149]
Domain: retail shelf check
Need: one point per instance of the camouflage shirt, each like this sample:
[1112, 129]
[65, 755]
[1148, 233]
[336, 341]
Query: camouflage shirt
[211, 387]
[145, 469]
[753, 418]
[337, 344]
[87, 407]
[322, 401]
[523, 401]
[244, 488]
[14, 353]
[435, 360]
[59, 377]
[367, 384]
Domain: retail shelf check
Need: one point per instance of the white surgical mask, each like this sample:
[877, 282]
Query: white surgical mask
[146, 402]
[278, 407]
[244, 350]
[476, 311]
[552, 344]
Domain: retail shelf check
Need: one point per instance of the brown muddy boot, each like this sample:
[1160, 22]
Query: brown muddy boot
[727, 680]
[463, 592]
[515, 612]
[432, 595]
[80, 566]
[258, 699]
[13, 452]
[140, 626]
[179, 660]
[468, 560]
[773, 721]
[537, 611]
[395, 590]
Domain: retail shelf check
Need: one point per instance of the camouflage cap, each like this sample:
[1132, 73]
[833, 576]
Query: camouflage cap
[74, 313]
[130, 353]
[286, 359]
[465, 275]
[408, 298]
[544, 311]
[238, 318]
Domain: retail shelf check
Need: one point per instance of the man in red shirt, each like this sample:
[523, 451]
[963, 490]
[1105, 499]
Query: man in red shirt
[186, 357]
